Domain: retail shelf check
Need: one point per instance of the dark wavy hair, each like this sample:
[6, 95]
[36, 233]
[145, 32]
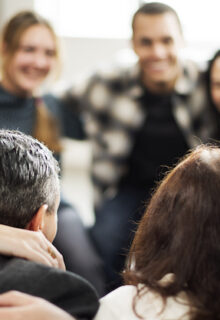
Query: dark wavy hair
[180, 234]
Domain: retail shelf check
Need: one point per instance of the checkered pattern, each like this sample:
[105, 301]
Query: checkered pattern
[113, 113]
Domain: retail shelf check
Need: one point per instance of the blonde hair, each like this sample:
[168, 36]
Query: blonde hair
[13, 31]
[46, 128]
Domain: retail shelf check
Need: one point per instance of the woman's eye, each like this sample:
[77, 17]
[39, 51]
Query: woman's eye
[27, 49]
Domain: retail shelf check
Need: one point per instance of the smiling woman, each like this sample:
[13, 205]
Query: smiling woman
[29, 54]
[33, 60]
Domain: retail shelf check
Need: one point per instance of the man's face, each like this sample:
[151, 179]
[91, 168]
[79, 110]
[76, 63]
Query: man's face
[50, 222]
[215, 83]
[156, 41]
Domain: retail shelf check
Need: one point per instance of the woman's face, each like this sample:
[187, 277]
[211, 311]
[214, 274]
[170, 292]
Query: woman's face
[215, 83]
[32, 62]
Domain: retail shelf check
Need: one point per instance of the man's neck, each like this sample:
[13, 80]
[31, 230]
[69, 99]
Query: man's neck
[160, 87]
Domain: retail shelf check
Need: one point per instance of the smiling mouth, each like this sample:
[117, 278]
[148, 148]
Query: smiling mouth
[35, 75]
[157, 66]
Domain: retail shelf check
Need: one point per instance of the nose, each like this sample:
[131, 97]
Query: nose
[159, 50]
[41, 60]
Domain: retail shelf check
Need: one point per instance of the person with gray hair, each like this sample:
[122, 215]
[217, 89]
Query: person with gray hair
[173, 266]
[29, 198]
[140, 120]
[28, 179]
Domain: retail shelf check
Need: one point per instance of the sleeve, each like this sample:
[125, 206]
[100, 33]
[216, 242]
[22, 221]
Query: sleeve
[69, 292]
[72, 117]
[66, 290]
[67, 111]
[117, 305]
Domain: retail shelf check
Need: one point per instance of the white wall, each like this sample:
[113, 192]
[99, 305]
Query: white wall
[9, 7]
[82, 56]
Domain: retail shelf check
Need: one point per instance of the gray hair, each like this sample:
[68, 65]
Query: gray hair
[28, 178]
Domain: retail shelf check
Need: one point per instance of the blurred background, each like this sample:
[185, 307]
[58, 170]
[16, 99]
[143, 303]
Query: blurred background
[95, 35]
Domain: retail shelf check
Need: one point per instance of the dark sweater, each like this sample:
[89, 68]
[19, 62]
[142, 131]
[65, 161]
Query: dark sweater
[159, 143]
[17, 113]
[64, 289]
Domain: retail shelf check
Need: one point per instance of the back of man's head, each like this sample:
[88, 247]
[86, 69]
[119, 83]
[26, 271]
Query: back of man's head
[156, 8]
[28, 178]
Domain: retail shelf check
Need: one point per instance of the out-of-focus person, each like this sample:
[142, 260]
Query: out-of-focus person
[29, 55]
[140, 120]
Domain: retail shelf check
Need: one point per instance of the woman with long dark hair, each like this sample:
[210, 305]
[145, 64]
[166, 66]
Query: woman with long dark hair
[174, 263]
[173, 267]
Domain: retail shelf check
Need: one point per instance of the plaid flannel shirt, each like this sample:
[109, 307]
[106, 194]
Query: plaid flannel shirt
[112, 113]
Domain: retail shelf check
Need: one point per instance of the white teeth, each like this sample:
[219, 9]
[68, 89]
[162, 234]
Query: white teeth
[34, 75]
[158, 65]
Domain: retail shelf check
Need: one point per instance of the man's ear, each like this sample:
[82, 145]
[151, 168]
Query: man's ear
[37, 221]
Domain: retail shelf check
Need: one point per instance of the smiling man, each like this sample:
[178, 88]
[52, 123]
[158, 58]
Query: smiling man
[140, 119]
[157, 38]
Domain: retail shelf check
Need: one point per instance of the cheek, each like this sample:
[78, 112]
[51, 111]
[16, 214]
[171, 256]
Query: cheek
[52, 62]
[21, 59]
[143, 54]
[53, 230]
[174, 53]
[215, 93]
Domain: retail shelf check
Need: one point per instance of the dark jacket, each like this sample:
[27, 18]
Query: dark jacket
[66, 290]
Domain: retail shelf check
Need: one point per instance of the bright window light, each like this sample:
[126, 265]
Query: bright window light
[112, 19]
[89, 19]
[200, 19]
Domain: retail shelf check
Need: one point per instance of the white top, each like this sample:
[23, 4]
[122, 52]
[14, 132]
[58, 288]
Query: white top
[118, 304]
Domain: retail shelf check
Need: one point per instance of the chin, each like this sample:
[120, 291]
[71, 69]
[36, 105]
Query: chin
[28, 90]
[30, 86]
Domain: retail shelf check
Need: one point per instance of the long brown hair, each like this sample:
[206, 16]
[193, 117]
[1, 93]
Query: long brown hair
[180, 234]
[46, 128]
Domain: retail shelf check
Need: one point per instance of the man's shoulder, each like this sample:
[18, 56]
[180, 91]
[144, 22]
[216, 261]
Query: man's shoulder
[115, 79]
[117, 74]
[65, 289]
[31, 275]
[191, 79]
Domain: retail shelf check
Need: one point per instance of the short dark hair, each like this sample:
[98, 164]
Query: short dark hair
[153, 8]
[180, 234]
[28, 178]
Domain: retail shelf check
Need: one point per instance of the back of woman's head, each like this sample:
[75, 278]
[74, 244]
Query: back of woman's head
[180, 233]
[14, 30]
